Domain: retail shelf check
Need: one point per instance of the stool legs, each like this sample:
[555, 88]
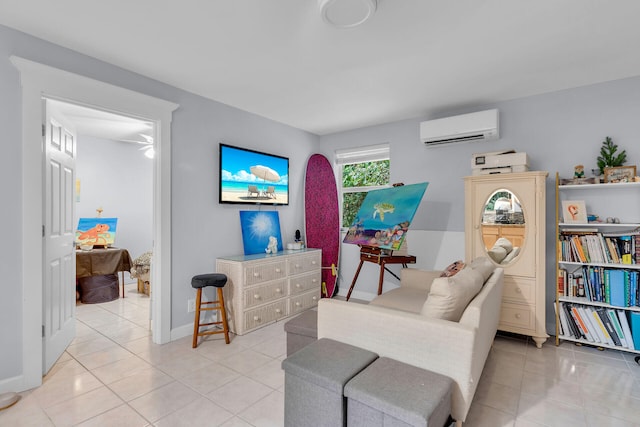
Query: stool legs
[217, 305]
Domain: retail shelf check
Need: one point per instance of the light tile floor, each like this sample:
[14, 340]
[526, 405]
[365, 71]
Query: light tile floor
[113, 375]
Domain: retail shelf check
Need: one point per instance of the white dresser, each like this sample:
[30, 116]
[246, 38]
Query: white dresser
[262, 288]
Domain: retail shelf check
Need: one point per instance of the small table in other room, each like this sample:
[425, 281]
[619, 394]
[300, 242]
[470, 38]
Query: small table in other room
[100, 262]
[377, 256]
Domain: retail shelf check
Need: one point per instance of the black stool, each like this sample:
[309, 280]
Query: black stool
[199, 282]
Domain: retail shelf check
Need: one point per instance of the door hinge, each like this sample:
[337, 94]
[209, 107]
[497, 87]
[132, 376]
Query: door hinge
[44, 130]
[42, 230]
[42, 331]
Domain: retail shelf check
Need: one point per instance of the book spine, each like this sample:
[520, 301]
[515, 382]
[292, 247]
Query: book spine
[607, 324]
[617, 327]
[622, 317]
[581, 324]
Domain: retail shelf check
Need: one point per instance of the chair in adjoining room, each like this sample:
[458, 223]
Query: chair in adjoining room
[202, 281]
[253, 190]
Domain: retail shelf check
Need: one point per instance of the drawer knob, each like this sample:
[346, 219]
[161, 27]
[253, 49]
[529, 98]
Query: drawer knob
[278, 290]
[313, 262]
[314, 281]
[297, 304]
[257, 296]
[298, 285]
[256, 318]
[278, 270]
[278, 311]
[256, 274]
[314, 298]
[518, 315]
[518, 290]
[297, 266]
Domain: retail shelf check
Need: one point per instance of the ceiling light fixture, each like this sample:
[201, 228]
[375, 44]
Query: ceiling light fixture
[346, 13]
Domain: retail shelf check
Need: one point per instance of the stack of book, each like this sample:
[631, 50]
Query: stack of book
[587, 245]
[600, 326]
[614, 286]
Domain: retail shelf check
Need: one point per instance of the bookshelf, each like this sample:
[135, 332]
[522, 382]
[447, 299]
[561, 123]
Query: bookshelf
[598, 267]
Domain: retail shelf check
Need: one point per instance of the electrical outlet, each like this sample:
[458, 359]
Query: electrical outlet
[191, 305]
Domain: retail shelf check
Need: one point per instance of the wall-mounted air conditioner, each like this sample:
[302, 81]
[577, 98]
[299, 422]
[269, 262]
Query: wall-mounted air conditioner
[478, 126]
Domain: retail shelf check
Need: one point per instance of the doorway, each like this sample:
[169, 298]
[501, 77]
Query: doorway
[38, 80]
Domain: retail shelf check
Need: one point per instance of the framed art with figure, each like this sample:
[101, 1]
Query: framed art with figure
[574, 212]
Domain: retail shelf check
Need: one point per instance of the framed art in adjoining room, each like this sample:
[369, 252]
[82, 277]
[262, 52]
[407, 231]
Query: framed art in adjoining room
[619, 174]
[574, 212]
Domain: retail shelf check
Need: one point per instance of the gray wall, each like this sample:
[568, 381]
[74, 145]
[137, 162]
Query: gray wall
[119, 178]
[202, 229]
[557, 130]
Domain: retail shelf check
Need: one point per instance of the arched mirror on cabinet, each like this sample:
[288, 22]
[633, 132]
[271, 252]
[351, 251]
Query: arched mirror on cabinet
[505, 222]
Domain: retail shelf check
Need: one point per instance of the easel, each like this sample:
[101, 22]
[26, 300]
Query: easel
[382, 258]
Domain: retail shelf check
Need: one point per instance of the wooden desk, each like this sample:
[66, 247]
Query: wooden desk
[376, 256]
[99, 262]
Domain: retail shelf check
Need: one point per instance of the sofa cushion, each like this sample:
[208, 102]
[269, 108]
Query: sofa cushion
[511, 255]
[403, 298]
[452, 268]
[449, 296]
[483, 266]
[497, 253]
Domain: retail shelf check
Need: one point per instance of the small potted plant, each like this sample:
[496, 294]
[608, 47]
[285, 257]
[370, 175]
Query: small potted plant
[609, 155]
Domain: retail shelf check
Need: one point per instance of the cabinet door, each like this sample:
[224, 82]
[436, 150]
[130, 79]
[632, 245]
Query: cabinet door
[479, 190]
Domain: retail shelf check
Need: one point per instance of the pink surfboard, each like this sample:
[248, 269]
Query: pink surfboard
[321, 217]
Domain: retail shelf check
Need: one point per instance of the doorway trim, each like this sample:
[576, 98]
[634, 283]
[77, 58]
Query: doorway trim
[38, 81]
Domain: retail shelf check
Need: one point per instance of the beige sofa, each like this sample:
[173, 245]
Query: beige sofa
[393, 325]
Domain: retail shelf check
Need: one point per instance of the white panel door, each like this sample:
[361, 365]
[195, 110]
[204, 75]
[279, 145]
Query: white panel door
[59, 293]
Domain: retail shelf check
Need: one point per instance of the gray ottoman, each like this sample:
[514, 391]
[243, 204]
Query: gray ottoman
[314, 378]
[393, 394]
[301, 331]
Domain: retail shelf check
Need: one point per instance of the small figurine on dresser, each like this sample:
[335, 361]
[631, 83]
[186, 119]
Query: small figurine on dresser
[272, 248]
[578, 171]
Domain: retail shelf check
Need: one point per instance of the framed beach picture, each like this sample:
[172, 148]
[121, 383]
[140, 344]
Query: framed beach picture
[574, 212]
[259, 228]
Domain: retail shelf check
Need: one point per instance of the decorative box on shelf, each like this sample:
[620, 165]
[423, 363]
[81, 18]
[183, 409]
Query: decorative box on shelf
[264, 288]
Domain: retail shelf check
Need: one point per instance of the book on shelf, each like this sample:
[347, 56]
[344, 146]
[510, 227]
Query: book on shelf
[598, 329]
[562, 282]
[626, 329]
[617, 287]
[581, 323]
[571, 321]
[617, 327]
[608, 326]
[634, 318]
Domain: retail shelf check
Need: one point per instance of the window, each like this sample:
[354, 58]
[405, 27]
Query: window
[361, 170]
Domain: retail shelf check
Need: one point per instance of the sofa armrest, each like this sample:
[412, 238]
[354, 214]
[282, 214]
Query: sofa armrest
[436, 345]
[418, 279]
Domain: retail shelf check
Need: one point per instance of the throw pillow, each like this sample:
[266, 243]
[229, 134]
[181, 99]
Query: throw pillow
[505, 243]
[453, 268]
[484, 266]
[449, 296]
[497, 253]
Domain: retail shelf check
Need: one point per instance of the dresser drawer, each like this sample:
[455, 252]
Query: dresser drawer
[258, 295]
[264, 272]
[519, 290]
[304, 263]
[517, 315]
[304, 283]
[266, 314]
[304, 301]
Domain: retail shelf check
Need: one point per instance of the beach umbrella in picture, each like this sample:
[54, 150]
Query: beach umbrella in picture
[265, 173]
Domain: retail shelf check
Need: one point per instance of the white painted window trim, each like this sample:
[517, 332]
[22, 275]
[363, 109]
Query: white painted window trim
[38, 81]
[348, 156]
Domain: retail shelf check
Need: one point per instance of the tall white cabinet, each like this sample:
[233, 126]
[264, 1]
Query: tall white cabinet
[264, 288]
[511, 206]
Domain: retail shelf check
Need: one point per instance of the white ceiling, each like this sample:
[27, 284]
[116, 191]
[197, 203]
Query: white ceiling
[278, 59]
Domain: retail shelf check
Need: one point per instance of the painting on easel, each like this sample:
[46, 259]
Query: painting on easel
[385, 216]
[96, 231]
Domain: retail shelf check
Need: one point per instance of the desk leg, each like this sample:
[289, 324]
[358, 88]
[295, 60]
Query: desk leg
[382, 268]
[353, 283]
[122, 283]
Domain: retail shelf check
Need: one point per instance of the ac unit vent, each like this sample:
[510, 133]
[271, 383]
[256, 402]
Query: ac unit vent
[479, 126]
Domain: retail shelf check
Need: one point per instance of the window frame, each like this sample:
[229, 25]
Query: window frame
[366, 154]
